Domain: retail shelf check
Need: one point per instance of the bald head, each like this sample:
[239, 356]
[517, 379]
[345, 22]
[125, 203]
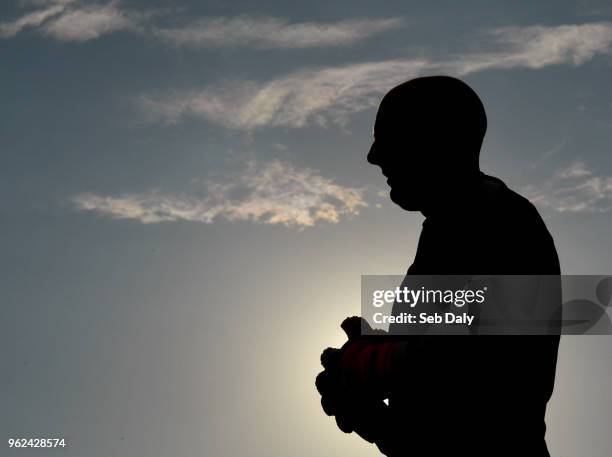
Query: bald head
[427, 130]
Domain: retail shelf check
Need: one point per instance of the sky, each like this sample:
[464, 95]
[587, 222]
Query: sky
[186, 208]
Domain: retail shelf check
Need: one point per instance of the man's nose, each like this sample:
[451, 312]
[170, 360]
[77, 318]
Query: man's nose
[372, 154]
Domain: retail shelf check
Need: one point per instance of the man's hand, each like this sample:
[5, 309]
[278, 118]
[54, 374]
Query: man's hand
[343, 392]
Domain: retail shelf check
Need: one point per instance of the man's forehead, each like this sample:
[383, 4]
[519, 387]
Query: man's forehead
[398, 126]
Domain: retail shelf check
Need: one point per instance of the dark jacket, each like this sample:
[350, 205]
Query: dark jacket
[478, 395]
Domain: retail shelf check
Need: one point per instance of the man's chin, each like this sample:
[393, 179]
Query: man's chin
[408, 204]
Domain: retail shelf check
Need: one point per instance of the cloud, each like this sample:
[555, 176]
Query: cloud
[33, 19]
[271, 193]
[293, 101]
[332, 94]
[72, 20]
[89, 22]
[575, 189]
[44, 2]
[269, 32]
[537, 46]
[75, 20]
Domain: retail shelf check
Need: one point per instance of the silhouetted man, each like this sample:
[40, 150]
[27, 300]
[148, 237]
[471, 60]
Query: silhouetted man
[450, 395]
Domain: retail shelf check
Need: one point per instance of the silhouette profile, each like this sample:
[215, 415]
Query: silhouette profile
[448, 395]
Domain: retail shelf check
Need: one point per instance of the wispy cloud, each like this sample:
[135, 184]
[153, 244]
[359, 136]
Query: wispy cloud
[269, 32]
[271, 193]
[332, 94]
[72, 20]
[32, 19]
[538, 46]
[547, 154]
[77, 20]
[574, 189]
[319, 95]
[90, 22]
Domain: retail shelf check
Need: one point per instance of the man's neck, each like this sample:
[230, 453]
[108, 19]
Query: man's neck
[455, 196]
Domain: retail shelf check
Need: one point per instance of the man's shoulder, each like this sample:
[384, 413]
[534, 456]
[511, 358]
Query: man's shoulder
[507, 204]
[517, 221]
